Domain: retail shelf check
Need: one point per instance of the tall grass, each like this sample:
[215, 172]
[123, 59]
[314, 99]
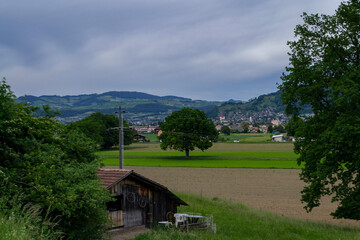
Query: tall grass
[235, 221]
[26, 223]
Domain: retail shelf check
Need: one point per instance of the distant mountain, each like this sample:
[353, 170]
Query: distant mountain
[270, 101]
[143, 108]
[263, 108]
[140, 107]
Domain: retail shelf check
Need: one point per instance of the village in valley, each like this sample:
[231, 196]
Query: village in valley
[238, 124]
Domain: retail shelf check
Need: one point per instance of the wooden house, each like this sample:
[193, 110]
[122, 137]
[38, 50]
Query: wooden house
[138, 200]
[139, 138]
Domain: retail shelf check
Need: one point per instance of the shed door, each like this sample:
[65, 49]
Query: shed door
[115, 211]
[117, 218]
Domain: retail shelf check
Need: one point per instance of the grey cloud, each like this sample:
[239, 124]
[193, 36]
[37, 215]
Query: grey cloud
[206, 49]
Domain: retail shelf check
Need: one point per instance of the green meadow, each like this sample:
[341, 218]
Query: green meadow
[221, 155]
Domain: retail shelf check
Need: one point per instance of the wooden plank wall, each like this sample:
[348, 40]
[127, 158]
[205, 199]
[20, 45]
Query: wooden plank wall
[141, 205]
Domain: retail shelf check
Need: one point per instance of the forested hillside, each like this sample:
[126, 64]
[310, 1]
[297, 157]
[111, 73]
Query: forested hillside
[140, 107]
[143, 108]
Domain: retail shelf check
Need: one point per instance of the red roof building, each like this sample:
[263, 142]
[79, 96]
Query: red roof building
[137, 199]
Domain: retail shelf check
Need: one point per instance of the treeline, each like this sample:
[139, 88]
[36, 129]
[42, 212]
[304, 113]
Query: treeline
[102, 129]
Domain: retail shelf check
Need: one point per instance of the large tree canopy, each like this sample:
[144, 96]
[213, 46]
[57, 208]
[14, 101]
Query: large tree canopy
[324, 73]
[100, 128]
[43, 163]
[186, 129]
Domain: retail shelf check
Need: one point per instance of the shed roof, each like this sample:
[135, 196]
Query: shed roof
[111, 177]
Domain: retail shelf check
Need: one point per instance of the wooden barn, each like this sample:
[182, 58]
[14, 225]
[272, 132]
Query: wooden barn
[139, 138]
[138, 200]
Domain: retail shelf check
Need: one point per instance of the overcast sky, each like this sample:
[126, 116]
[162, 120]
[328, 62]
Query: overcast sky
[200, 49]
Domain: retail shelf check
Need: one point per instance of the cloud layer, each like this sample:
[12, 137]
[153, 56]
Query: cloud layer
[204, 49]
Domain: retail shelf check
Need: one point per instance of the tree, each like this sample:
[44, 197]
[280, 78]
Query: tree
[270, 129]
[245, 126]
[100, 128]
[186, 129]
[324, 73]
[293, 125]
[279, 129]
[50, 166]
[225, 130]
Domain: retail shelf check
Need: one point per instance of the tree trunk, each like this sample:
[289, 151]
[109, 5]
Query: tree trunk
[187, 153]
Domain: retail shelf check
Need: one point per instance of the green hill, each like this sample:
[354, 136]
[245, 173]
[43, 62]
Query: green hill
[140, 107]
[145, 108]
[270, 101]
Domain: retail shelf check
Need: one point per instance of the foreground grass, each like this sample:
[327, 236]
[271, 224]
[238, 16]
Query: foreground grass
[26, 223]
[284, 160]
[235, 221]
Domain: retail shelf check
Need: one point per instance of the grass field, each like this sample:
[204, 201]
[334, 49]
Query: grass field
[235, 221]
[151, 137]
[221, 155]
[247, 137]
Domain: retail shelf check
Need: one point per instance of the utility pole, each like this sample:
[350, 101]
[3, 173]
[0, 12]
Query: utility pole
[121, 137]
[121, 140]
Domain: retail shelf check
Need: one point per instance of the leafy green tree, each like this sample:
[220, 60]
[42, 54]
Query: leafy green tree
[270, 129]
[293, 125]
[279, 129]
[245, 126]
[100, 128]
[324, 72]
[52, 167]
[186, 129]
[225, 130]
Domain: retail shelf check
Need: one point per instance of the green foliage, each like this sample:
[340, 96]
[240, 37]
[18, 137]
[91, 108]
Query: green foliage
[270, 129]
[100, 128]
[279, 129]
[51, 167]
[324, 73]
[225, 130]
[293, 125]
[245, 126]
[186, 129]
[25, 222]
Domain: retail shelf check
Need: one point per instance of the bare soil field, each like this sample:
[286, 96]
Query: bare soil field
[272, 190]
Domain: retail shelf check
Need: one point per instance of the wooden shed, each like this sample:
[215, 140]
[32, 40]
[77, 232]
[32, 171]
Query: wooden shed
[138, 200]
[139, 138]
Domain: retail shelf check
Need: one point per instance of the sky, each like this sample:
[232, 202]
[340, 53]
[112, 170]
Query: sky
[199, 49]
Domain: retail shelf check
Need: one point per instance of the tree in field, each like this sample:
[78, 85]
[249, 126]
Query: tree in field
[225, 130]
[186, 129]
[324, 73]
[100, 128]
[46, 164]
